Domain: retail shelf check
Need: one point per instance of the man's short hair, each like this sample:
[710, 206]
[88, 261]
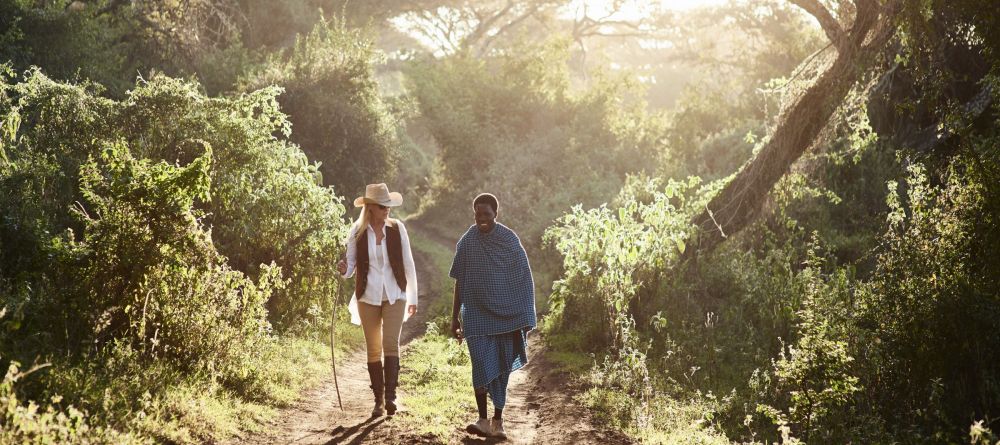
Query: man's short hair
[486, 198]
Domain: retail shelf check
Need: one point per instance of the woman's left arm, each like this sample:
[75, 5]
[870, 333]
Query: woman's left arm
[410, 269]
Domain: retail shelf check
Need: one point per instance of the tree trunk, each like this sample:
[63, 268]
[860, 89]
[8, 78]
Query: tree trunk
[740, 201]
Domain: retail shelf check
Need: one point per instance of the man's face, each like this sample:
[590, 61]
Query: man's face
[486, 218]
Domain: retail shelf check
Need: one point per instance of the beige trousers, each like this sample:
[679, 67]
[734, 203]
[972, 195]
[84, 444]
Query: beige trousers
[382, 325]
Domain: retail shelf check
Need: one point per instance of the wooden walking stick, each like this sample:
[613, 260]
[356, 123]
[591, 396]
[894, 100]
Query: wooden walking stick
[333, 337]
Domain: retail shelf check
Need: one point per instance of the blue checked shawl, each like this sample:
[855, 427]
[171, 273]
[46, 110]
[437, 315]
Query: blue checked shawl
[495, 284]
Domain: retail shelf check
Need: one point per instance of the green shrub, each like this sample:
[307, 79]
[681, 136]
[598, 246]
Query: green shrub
[144, 240]
[334, 106]
[932, 338]
[149, 273]
[48, 423]
[512, 125]
[266, 203]
[814, 379]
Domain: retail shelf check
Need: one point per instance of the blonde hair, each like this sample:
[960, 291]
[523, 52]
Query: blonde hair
[361, 224]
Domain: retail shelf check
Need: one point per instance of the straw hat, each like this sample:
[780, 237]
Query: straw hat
[379, 194]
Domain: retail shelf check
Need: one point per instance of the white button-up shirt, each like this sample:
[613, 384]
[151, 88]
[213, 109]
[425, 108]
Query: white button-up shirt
[381, 282]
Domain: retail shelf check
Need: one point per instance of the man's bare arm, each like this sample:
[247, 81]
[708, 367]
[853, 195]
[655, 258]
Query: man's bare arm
[456, 309]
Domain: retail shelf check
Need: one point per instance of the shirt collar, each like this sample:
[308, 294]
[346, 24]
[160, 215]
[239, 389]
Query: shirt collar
[372, 231]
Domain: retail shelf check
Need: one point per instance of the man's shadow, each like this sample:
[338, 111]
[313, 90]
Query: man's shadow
[360, 431]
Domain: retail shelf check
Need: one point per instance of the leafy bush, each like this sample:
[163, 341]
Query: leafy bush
[68, 44]
[608, 256]
[903, 352]
[510, 124]
[335, 109]
[929, 311]
[814, 377]
[143, 241]
[266, 204]
[49, 423]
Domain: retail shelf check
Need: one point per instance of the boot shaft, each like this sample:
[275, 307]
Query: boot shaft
[375, 375]
[391, 382]
[391, 371]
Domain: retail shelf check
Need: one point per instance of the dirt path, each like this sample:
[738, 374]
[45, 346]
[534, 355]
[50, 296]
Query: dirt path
[540, 407]
[541, 410]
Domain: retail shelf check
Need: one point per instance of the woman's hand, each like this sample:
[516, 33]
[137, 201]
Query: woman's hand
[412, 309]
[456, 329]
[342, 267]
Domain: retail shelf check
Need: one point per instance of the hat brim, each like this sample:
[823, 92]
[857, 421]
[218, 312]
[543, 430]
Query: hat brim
[395, 200]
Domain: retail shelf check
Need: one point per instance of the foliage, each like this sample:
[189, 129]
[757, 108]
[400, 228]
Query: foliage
[68, 45]
[814, 377]
[170, 252]
[608, 255]
[49, 423]
[889, 334]
[266, 207]
[510, 124]
[902, 352]
[749, 52]
[930, 307]
[143, 241]
[334, 104]
[111, 42]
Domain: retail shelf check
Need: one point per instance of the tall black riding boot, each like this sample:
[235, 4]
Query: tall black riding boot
[391, 381]
[375, 375]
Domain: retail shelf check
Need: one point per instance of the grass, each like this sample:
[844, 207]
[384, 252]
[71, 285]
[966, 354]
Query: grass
[205, 411]
[438, 386]
[440, 261]
[201, 411]
[155, 402]
[666, 420]
[662, 419]
[438, 378]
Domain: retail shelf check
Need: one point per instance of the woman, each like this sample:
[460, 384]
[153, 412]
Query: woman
[379, 257]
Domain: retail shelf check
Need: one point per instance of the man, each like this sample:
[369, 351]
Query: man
[495, 296]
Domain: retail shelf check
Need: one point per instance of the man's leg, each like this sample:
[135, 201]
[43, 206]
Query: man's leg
[481, 401]
[512, 351]
[498, 392]
[482, 426]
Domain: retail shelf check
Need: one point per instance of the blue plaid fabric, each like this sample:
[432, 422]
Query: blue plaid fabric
[494, 357]
[494, 282]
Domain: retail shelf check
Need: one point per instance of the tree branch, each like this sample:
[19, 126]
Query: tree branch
[826, 20]
[512, 23]
[484, 25]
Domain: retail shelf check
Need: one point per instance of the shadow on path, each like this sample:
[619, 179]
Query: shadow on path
[476, 440]
[357, 432]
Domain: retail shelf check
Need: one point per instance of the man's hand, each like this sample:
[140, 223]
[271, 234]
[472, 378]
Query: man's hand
[412, 309]
[456, 329]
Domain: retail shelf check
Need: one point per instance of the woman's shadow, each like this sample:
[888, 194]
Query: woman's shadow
[357, 432]
[360, 431]
[477, 440]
